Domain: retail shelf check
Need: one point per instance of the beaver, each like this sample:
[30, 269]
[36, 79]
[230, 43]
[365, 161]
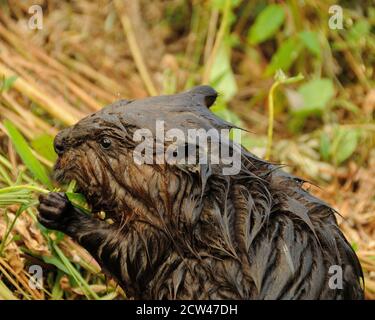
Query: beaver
[188, 231]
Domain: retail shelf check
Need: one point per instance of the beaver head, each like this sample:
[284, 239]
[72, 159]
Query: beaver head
[98, 152]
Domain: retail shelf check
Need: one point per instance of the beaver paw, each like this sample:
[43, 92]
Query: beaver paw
[54, 210]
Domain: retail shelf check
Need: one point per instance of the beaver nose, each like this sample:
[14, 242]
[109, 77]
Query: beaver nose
[59, 143]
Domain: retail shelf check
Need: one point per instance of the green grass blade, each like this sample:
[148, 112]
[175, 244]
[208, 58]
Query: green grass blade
[75, 274]
[21, 209]
[5, 293]
[24, 151]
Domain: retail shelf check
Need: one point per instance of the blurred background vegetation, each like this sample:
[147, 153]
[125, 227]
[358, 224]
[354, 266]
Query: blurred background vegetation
[304, 91]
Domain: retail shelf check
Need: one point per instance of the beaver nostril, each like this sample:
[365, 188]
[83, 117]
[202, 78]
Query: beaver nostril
[60, 142]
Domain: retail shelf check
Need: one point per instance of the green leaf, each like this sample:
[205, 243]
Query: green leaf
[354, 246]
[78, 200]
[359, 30]
[220, 4]
[221, 76]
[57, 263]
[43, 144]
[229, 116]
[24, 151]
[311, 41]
[315, 95]
[266, 24]
[285, 55]
[324, 146]
[8, 83]
[250, 141]
[220, 108]
[57, 292]
[344, 144]
[59, 236]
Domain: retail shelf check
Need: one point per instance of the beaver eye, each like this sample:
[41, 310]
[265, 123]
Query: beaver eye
[105, 143]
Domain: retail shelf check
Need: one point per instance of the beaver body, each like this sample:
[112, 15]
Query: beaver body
[189, 231]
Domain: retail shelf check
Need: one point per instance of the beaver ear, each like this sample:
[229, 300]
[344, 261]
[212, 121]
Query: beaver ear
[204, 95]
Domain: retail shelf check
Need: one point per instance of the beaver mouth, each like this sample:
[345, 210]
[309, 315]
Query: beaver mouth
[65, 174]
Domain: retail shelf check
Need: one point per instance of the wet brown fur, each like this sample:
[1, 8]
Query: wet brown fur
[190, 232]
